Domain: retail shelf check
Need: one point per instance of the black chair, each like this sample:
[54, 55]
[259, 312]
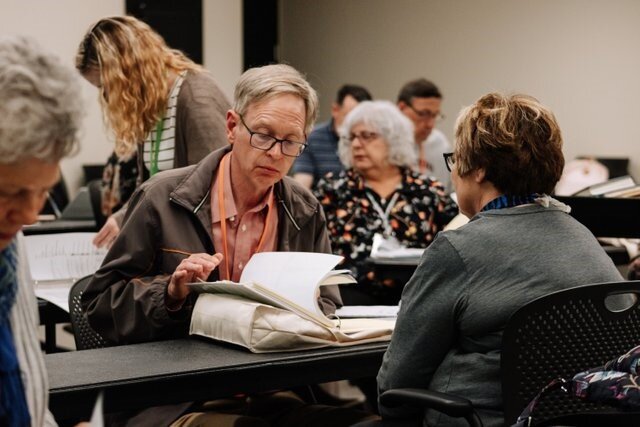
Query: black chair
[57, 199]
[85, 337]
[555, 336]
[95, 195]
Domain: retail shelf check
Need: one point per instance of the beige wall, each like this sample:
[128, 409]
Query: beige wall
[222, 32]
[579, 57]
[59, 26]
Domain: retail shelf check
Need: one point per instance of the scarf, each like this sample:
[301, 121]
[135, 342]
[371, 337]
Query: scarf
[13, 404]
[510, 201]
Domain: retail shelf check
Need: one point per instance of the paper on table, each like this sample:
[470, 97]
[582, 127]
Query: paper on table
[390, 248]
[62, 256]
[380, 311]
[56, 292]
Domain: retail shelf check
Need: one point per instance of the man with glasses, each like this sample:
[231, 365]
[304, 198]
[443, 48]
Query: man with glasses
[321, 157]
[206, 221]
[420, 100]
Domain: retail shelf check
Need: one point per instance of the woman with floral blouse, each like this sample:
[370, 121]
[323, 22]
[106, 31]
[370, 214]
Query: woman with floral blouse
[379, 193]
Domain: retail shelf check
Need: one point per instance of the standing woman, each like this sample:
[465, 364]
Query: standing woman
[158, 103]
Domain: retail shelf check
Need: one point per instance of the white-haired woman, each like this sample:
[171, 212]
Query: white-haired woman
[39, 120]
[379, 193]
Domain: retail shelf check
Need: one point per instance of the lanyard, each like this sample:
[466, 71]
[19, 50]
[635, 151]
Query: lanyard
[384, 214]
[155, 148]
[223, 220]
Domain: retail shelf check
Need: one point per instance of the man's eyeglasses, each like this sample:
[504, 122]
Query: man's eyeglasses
[426, 114]
[363, 136]
[449, 160]
[265, 142]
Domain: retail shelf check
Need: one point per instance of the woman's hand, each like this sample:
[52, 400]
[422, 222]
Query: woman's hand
[197, 266]
[107, 234]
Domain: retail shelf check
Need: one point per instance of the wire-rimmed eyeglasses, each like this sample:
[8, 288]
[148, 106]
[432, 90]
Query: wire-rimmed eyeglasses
[426, 114]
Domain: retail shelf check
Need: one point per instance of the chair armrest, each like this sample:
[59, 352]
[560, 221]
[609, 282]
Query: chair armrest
[448, 404]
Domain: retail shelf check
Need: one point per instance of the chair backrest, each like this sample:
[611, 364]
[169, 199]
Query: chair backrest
[85, 337]
[95, 196]
[559, 335]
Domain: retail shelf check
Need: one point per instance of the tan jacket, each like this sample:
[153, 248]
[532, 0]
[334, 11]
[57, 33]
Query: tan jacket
[168, 217]
[200, 125]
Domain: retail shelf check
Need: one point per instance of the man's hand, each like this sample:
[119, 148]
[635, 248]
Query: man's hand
[107, 234]
[197, 266]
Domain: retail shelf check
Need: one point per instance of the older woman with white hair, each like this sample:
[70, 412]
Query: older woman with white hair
[379, 197]
[40, 115]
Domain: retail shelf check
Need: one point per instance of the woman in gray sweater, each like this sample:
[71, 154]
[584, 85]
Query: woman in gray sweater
[520, 244]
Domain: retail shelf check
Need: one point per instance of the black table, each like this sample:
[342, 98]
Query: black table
[61, 226]
[166, 372]
[50, 316]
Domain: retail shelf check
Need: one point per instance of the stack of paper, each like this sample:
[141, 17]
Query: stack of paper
[58, 260]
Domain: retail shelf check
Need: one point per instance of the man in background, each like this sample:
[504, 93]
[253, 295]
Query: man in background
[420, 100]
[321, 155]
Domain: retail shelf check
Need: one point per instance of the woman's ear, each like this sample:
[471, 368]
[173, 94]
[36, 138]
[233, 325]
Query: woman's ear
[479, 175]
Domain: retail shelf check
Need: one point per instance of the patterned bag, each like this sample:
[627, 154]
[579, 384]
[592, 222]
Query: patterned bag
[616, 384]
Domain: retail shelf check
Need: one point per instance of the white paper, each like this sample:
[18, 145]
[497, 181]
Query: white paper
[97, 416]
[378, 311]
[292, 274]
[56, 292]
[62, 256]
[390, 248]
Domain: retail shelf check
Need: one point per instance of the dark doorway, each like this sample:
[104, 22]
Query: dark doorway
[178, 22]
[260, 31]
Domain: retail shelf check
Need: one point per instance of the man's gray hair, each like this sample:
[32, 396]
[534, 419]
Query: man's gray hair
[386, 119]
[40, 103]
[260, 83]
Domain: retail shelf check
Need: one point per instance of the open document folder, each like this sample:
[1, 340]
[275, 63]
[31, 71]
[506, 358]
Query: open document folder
[275, 307]
[58, 260]
[287, 280]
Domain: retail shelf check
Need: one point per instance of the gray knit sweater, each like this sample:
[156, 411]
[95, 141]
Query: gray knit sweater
[469, 282]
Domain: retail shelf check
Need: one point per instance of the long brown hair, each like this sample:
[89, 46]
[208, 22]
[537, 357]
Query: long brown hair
[134, 63]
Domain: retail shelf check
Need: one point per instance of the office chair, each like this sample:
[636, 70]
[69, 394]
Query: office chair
[555, 336]
[95, 196]
[85, 337]
[57, 199]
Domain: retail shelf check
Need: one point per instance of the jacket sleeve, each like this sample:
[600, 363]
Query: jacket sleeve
[201, 119]
[426, 327]
[124, 302]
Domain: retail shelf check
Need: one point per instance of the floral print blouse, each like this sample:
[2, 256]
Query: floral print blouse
[422, 209]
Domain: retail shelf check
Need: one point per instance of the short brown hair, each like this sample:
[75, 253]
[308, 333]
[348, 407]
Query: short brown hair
[515, 139]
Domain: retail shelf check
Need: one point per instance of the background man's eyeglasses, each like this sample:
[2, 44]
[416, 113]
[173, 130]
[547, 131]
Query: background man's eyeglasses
[449, 160]
[426, 114]
[265, 142]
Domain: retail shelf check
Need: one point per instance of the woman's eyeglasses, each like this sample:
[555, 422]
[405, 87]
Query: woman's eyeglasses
[364, 136]
[449, 160]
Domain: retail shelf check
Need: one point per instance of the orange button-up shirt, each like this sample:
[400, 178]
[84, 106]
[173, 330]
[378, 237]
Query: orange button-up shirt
[243, 233]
